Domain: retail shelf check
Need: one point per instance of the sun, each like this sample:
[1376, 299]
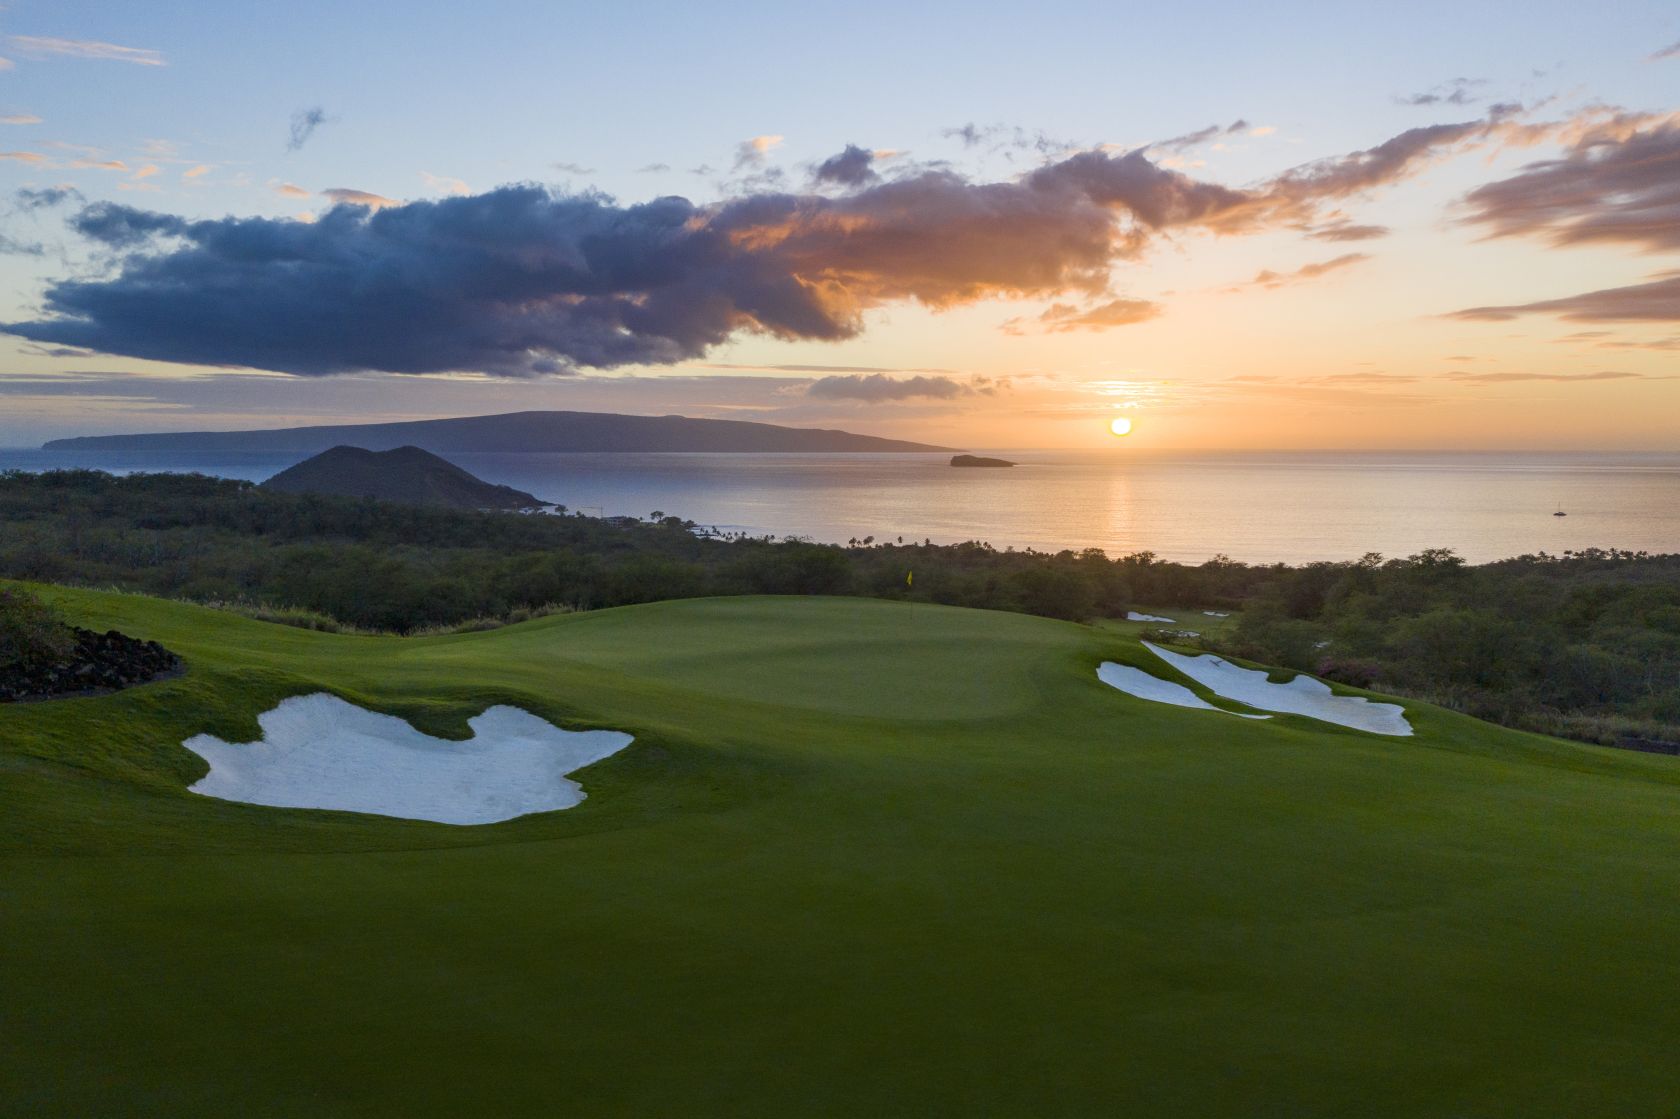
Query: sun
[1120, 425]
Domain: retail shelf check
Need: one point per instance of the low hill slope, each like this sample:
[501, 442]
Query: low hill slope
[513, 431]
[861, 858]
[406, 474]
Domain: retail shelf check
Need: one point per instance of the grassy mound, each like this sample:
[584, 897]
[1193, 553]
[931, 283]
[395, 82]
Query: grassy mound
[863, 858]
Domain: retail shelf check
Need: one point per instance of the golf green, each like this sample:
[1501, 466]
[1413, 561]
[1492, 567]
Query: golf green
[863, 858]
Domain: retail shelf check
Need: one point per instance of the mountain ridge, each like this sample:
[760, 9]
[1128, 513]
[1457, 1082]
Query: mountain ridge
[408, 475]
[531, 431]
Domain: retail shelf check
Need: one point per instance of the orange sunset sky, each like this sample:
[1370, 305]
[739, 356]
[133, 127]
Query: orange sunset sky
[1394, 251]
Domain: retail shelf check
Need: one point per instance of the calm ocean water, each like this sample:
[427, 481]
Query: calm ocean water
[1289, 507]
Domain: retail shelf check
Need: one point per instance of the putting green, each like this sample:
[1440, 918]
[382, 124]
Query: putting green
[862, 859]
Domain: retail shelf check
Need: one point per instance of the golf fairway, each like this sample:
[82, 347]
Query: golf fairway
[862, 858]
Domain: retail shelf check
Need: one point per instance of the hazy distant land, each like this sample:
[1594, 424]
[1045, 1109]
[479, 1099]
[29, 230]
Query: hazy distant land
[514, 432]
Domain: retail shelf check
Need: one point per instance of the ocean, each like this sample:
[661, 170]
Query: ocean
[1256, 507]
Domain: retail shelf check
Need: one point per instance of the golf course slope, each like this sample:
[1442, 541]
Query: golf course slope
[861, 858]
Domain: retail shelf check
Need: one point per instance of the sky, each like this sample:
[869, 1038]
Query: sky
[1237, 226]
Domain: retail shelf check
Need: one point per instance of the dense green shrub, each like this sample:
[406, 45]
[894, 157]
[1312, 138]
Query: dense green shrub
[30, 632]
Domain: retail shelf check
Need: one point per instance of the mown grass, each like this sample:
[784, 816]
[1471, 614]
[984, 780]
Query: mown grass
[864, 858]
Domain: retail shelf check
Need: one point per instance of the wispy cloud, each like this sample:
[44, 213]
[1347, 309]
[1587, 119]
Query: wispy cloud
[195, 172]
[289, 190]
[1658, 345]
[304, 124]
[1061, 318]
[1270, 279]
[807, 368]
[753, 153]
[1510, 378]
[24, 157]
[19, 118]
[1347, 231]
[1202, 136]
[46, 197]
[35, 46]
[345, 196]
[878, 388]
[1670, 51]
[444, 184]
[1363, 377]
[1618, 182]
[1359, 390]
[10, 246]
[1656, 301]
[1458, 91]
[972, 135]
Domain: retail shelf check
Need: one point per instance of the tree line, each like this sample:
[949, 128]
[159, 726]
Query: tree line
[1584, 644]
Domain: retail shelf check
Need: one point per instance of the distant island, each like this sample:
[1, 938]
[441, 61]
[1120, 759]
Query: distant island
[514, 431]
[407, 474]
[978, 460]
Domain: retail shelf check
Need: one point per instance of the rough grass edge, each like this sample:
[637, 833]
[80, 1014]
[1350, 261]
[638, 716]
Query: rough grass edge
[299, 617]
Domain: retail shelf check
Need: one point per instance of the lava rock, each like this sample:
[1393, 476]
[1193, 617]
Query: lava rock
[100, 662]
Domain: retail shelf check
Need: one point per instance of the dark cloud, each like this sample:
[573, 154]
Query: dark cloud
[1619, 183]
[878, 388]
[10, 246]
[852, 167]
[1656, 301]
[124, 227]
[304, 124]
[524, 280]
[1458, 91]
[46, 197]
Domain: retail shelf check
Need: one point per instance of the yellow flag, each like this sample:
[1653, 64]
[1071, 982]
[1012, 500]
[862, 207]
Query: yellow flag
[909, 578]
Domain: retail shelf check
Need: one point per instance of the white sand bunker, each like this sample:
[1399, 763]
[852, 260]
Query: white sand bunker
[1300, 696]
[317, 751]
[1134, 616]
[1137, 682]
